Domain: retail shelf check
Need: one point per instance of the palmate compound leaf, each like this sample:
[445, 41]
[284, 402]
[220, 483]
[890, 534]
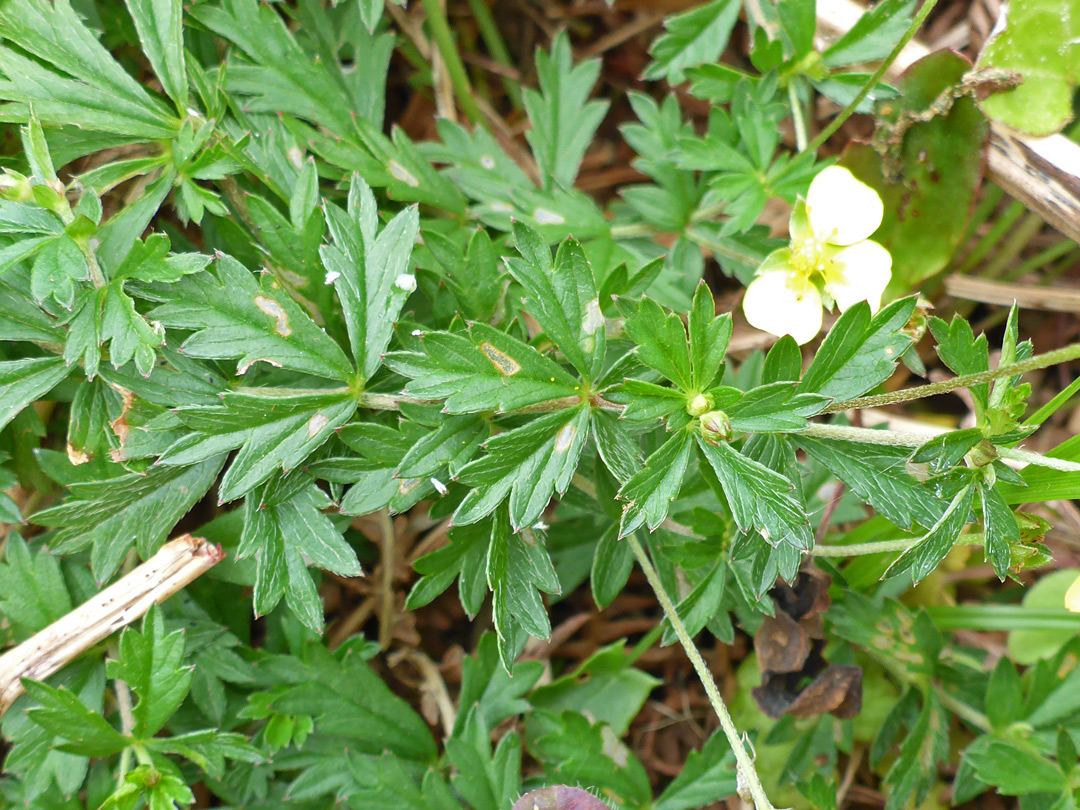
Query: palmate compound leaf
[688, 356]
[563, 122]
[150, 663]
[761, 500]
[529, 464]
[369, 268]
[33, 593]
[86, 86]
[649, 493]
[112, 514]
[275, 429]
[64, 715]
[562, 297]
[692, 38]
[349, 702]
[286, 529]
[518, 568]
[483, 370]
[25, 381]
[236, 316]
[860, 351]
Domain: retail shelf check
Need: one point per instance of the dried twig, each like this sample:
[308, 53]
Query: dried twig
[178, 563]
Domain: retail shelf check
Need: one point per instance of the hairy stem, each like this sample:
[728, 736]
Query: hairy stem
[745, 764]
[1062, 355]
[885, 546]
[444, 39]
[846, 113]
[896, 438]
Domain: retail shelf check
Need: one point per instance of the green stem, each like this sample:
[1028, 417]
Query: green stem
[846, 113]
[896, 438]
[455, 68]
[745, 764]
[646, 644]
[489, 31]
[886, 546]
[1062, 355]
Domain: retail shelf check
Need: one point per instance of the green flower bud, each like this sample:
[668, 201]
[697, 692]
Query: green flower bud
[699, 405]
[716, 427]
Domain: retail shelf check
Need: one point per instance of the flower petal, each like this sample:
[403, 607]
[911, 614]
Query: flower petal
[842, 210]
[1072, 597]
[860, 272]
[781, 303]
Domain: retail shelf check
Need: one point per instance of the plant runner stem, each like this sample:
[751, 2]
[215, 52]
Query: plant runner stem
[745, 764]
[1062, 355]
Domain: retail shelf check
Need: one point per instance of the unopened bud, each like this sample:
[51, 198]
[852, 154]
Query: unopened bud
[699, 405]
[716, 427]
[15, 187]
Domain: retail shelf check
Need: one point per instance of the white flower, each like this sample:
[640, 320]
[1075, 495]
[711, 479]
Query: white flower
[1072, 597]
[830, 259]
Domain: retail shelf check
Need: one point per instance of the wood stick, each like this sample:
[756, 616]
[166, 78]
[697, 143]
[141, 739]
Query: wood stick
[1042, 173]
[178, 563]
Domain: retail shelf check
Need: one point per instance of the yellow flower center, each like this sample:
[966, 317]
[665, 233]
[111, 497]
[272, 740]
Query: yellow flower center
[809, 257]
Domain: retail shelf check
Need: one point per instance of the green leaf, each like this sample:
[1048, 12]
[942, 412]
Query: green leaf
[112, 514]
[709, 336]
[776, 407]
[496, 693]
[370, 271]
[649, 493]
[150, 663]
[62, 714]
[208, 749]
[944, 452]
[691, 38]
[707, 776]
[486, 782]
[1041, 42]
[275, 429]
[529, 464]
[562, 298]
[860, 351]
[963, 353]
[798, 22]
[33, 594]
[126, 331]
[761, 500]
[924, 556]
[451, 445]
[661, 342]
[282, 535]
[518, 568]
[1015, 770]
[563, 122]
[465, 558]
[611, 566]
[235, 316]
[604, 687]
[350, 702]
[577, 752]
[159, 23]
[877, 474]
[58, 265]
[1000, 528]
[645, 401]
[1004, 695]
[99, 95]
[25, 381]
[872, 36]
[488, 370]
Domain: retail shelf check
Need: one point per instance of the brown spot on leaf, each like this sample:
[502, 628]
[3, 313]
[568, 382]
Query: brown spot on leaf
[275, 311]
